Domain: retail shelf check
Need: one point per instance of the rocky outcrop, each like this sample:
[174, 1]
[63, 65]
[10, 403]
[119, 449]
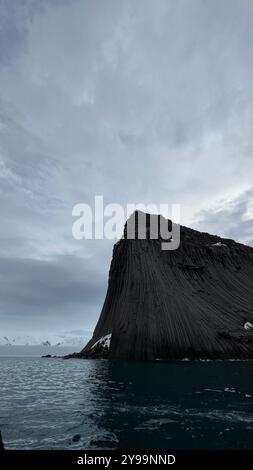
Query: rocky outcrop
[194, 302]
[1, 442]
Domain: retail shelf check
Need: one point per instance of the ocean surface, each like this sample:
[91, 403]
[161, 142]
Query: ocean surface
[97, 404]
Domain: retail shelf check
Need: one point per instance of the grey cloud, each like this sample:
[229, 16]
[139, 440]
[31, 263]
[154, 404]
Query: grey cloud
[52, 288]
[230, 219]
[135, 101]
[14, 21]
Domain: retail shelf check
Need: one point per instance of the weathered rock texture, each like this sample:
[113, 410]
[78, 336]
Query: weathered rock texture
[193, 302]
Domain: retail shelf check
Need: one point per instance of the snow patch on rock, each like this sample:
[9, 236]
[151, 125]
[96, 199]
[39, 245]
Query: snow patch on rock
[218, 244]
[103, 342]
[248, 325]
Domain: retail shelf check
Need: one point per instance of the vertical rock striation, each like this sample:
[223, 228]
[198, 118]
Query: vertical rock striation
[194, 302]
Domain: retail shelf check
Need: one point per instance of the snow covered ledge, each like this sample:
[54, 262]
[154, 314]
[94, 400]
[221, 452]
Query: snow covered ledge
[218, 244]
[103, 342]
[247, 325]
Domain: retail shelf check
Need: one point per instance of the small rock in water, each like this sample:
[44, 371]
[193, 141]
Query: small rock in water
[76, 438]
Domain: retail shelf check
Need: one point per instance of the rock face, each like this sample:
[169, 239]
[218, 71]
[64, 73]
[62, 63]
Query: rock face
[1, 442]
[194, 302]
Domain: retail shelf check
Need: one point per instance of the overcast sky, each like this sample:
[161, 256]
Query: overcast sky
[136, 100]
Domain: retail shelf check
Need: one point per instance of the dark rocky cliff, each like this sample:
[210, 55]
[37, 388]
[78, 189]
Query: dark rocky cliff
[194, 302]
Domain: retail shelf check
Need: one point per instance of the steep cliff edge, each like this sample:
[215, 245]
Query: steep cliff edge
[194, 302]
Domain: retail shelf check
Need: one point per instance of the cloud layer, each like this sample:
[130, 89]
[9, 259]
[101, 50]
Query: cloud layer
[139, 103]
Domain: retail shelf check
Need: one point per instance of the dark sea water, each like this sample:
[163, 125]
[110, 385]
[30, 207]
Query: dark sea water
[96, 404]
